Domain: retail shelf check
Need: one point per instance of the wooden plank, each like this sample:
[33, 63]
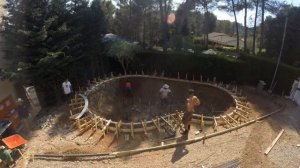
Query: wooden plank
[237, 123]
[240, 105]
[156, 125]
[274, 142]
[226, 121]
[237, 113]
[76, 103]
[105, 127]
[81, 132]
[242, 110]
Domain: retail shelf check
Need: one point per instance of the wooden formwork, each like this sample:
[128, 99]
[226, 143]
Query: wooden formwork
[91, 121]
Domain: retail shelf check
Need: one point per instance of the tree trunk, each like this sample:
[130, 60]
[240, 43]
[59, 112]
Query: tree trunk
[245, 27]
[261, 44]
[124, 67]
[236, 27]
[206, 26]
[144, 34]
[150, 31]
[254, 32]
[163, 27]
[130, 22]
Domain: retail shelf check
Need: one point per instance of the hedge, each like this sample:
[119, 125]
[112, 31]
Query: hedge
[246, 70]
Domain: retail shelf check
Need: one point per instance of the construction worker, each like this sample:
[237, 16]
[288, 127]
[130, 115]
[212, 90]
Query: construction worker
[128, 89]
[164, 94]
[192, 102]
[67, 89]
[6, 157]
[23, 113]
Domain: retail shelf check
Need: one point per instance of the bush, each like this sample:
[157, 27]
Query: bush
[244, 70]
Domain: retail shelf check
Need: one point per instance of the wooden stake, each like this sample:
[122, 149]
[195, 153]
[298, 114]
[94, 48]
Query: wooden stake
[274, 142]
[215, 124]
[132, 127]
[144, 126]
[118, 128]
[202, 122]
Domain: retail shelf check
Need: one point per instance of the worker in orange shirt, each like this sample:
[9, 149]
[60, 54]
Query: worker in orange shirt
[192, 102]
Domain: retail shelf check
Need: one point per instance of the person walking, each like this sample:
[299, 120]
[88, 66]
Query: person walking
[164, 94]
[192, 102]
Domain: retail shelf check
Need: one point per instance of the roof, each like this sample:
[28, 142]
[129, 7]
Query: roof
[223, 39]
[110, 37]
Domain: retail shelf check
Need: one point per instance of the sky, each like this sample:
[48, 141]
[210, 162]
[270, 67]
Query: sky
[221, 15]
[240, 15]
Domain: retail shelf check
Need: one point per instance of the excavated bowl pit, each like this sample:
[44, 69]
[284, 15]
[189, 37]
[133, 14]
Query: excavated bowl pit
[108, 100]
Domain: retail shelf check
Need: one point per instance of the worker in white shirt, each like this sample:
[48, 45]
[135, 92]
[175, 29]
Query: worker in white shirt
[67, 89]
[297, 93]
[164, 94]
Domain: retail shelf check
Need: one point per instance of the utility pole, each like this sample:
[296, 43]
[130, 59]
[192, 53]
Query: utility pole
[279, 57]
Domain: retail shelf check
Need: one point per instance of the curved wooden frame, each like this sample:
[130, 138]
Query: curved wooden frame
[146, 126]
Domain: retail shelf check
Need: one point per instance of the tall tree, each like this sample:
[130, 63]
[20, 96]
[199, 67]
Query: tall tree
[53, 39]
[233, 6]
[262, 27]
[164, 25]
[206, 5]
[109, 11]
[273, 35]
[245, 25]
[123, 52]
[254, 27]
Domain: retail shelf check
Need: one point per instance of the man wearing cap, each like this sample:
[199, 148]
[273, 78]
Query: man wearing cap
[192, 102]
[6, 157]
[164, 94]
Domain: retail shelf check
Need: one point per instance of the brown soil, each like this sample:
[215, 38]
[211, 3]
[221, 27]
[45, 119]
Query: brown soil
[246, 144]
[110, 100]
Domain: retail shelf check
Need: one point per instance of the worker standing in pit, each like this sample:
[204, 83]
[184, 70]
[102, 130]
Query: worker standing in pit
[192, 102]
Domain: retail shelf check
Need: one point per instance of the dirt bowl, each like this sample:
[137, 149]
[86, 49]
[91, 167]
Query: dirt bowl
[110, 101]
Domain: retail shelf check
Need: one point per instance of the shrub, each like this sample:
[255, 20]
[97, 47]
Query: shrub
[244, 70]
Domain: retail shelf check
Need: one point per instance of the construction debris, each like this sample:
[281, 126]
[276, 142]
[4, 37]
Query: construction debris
[274, 142]
[47, 121]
